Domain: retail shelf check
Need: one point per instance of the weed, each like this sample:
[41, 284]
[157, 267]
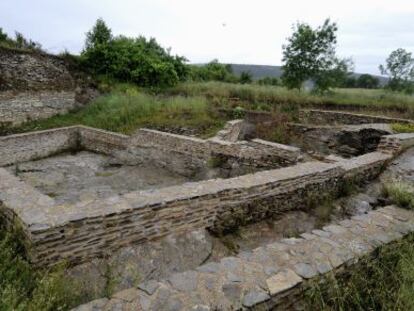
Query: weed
[400, 193]
[23, 287]
[403, 127]
[383, 281]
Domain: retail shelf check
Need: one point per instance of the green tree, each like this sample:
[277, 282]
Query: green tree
[213, 71]
[366, 81]
[246, 77]
[399, 68]
[3, 36]
[310, 54]
[137, 60]
[100, 34]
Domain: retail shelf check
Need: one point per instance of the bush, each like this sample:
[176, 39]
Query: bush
[213, 71]
[136, 60]
[24, 288]
[400, 193]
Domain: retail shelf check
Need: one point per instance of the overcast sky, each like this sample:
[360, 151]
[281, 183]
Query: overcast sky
[233, 31]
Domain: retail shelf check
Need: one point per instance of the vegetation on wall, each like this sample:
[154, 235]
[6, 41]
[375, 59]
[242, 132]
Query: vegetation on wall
[18, 42]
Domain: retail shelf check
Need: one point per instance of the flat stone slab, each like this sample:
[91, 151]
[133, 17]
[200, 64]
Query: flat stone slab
[259, 289]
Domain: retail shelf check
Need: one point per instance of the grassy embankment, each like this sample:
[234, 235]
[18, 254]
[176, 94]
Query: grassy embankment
[194, 105]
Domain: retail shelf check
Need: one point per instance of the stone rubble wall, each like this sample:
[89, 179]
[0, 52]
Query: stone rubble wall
[394, 144]
[271, 277]
[36, 145]
[33, 71]
[255, 152]
[235, 130]
[25, 106]
[315, 116]
[35, 85]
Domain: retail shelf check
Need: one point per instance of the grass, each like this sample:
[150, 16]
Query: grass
[263, 97]
[400, 193]
[124, 110]
[24, 288]
[403, 127]
[383, 281]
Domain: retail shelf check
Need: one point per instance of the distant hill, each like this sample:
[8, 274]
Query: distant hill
[262, 71]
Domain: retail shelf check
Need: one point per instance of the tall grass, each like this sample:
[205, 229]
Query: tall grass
[126, 109]
[23, 287]
[265, 95]
[384, 281]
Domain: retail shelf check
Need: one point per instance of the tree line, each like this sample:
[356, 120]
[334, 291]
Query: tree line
[308, 56]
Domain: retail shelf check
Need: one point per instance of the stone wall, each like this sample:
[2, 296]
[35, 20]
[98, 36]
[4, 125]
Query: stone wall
[89, 229]
[255, 153]
[314, 116]
[36, 145]
[34, 86]
[272, 277]
[26, 106]
[101, 141]
[32, 71]
[343, 140]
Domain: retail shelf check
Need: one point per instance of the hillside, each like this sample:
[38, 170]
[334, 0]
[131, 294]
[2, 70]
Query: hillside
[261, 71]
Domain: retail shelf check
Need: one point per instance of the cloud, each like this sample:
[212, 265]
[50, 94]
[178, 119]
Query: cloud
[254, 31]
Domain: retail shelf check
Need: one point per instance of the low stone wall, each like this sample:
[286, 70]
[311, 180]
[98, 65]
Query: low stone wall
[315, 116]
[101, 141]
[26, 106]
[396, 143]
[343, 140]
[272, 277]
[254, 153]
[88, 229]
[36, 145]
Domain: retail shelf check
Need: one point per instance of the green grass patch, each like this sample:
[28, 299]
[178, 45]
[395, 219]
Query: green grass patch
[403, 127]
[262, 97]
[400, 193]
[127, 108]
[24, 288]
[383, 281]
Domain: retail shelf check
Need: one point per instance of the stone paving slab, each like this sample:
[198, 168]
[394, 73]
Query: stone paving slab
[271, 275]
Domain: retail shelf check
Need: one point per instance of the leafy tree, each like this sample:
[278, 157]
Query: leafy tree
[310, 54]
[100, 34]
[246, 77]
[136, 60]
[269, 81]
[366, 81]
[399, 68]
[213, 71]
[3, 36]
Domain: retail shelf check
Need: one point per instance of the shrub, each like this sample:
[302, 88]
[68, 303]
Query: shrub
[23, 287]
[137, 60]
[400, 193]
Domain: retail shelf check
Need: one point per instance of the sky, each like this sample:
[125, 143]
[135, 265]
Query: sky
[232, 31]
